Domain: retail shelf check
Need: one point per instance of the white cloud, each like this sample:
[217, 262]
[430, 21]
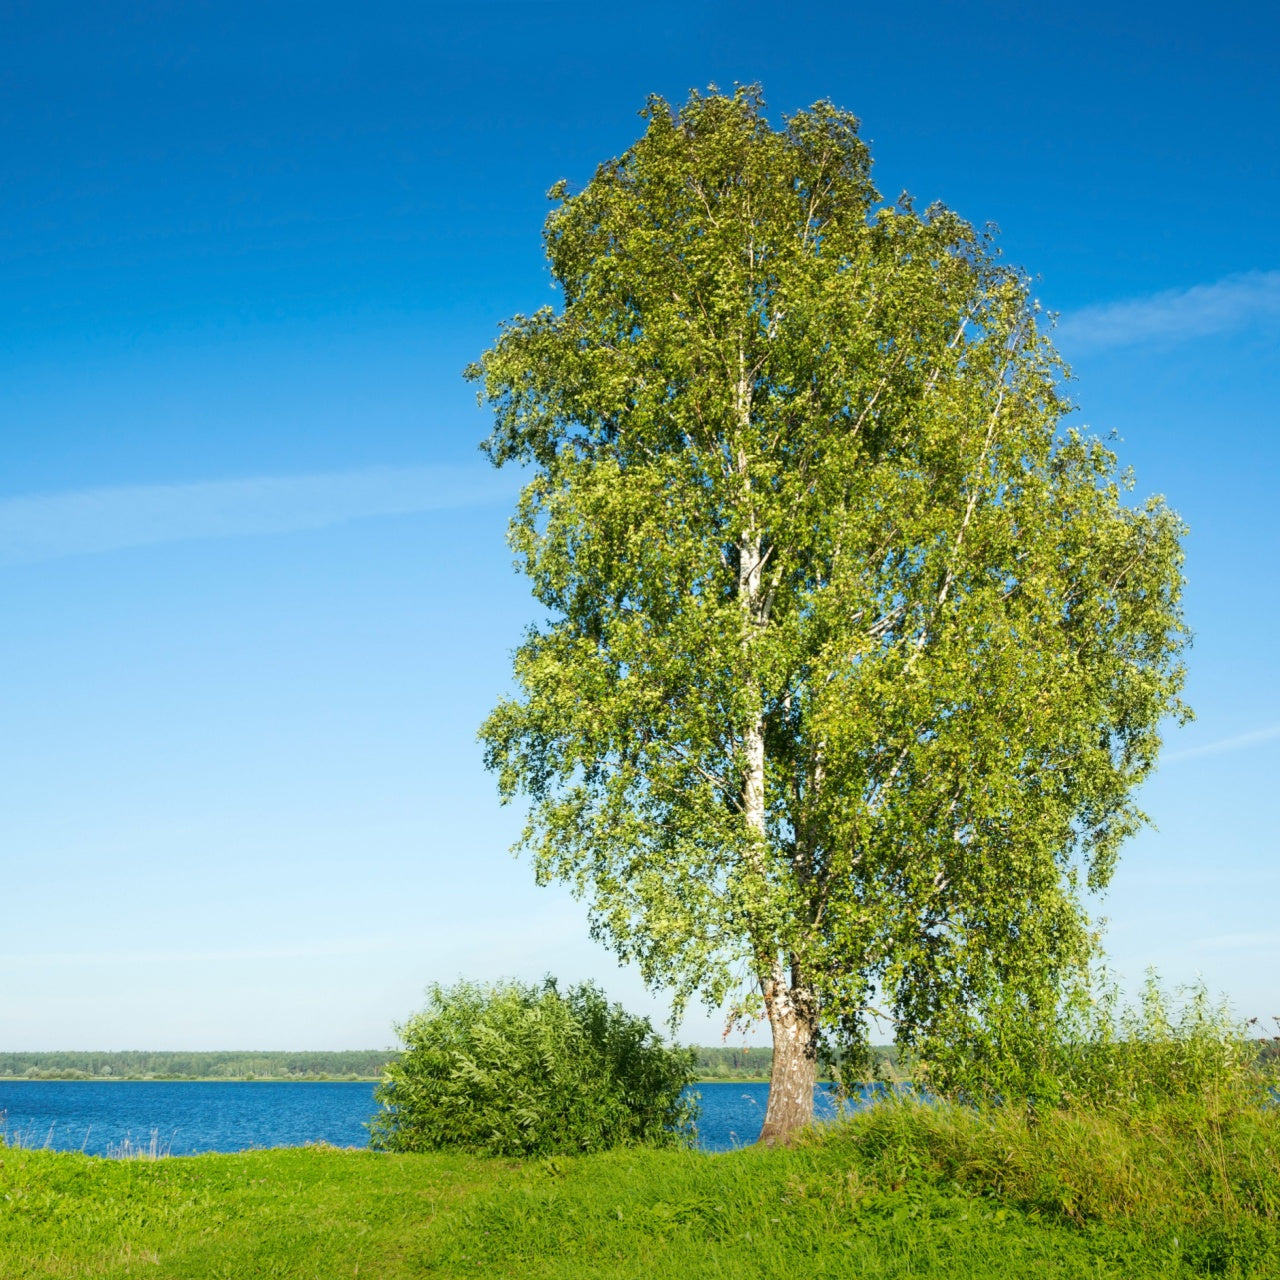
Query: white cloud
[46, 526]
[1175, 315]
[1239, 742]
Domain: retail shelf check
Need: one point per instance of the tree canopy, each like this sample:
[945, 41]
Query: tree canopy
[852, 655]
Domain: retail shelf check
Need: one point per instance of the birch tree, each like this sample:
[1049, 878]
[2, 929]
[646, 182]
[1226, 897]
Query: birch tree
[851, 655]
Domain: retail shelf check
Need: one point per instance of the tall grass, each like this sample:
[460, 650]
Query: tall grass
[1161, 1050]
[1097, 1051]
[1162, 1114]
[28, 1139]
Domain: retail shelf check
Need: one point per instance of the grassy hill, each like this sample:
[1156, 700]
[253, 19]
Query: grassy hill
[902, 1190]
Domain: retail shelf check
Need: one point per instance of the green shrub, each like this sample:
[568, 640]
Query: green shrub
[1096, 1052]
[522, 1070]
[1160, 1051]
[1200, 1178]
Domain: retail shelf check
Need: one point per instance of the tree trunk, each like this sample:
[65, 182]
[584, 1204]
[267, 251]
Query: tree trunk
[790, 1005]
[795, 1058]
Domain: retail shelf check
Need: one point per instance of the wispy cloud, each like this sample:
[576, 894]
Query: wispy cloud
[1175, 315]
[46, 526]
[1240, 742]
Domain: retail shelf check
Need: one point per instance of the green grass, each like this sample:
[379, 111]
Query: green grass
[901, 1191]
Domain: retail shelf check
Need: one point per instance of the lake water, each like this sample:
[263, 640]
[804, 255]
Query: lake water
[186, 1117]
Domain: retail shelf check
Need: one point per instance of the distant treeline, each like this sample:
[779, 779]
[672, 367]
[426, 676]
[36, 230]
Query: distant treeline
[351, 1064]
[755, 1063]
[713, 1063]
[734, 1064]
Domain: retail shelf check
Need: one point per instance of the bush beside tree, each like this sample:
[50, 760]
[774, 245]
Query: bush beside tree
[515, 1069]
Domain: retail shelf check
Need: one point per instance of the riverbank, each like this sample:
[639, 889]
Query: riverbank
[321, 1078]
[902, 1190]
[250, 1078]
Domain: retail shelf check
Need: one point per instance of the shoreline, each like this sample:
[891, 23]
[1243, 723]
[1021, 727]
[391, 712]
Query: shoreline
[153, 1079]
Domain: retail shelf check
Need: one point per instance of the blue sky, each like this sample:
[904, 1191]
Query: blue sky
[256, 596]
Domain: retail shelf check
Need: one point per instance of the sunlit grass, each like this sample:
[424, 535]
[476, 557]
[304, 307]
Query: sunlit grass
[902, 1190]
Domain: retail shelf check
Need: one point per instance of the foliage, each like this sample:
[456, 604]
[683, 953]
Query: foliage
[900, 1191]
[1160, 1052]
[518, 1070]
[853, 657]
[1199, 1172]
[1102, 1053]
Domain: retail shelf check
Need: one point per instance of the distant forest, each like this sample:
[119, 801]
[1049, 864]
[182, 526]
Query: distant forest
[713, 1063]
[351, 1064]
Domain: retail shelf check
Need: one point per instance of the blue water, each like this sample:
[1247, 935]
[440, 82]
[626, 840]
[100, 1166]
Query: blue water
[186, 1117]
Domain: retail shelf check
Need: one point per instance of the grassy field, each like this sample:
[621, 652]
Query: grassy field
[901, 1191]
